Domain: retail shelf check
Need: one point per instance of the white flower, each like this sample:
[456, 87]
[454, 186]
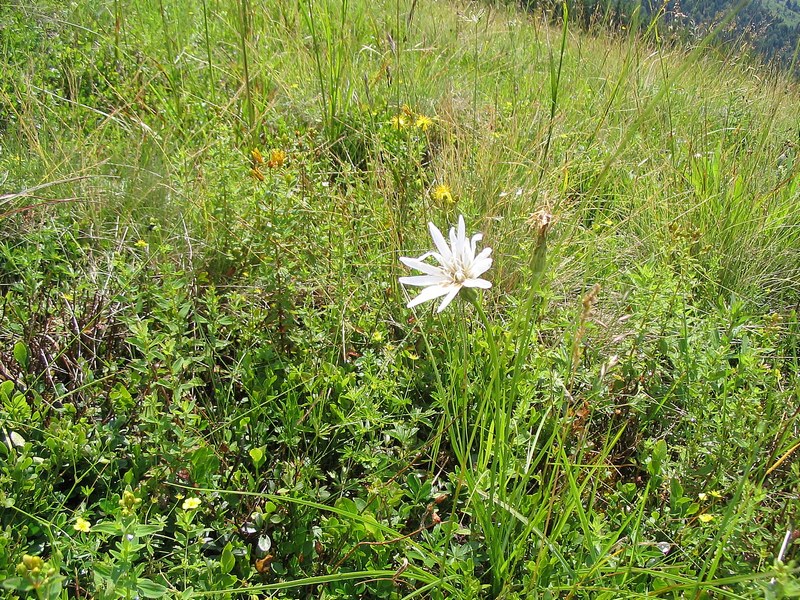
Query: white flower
[459, 267]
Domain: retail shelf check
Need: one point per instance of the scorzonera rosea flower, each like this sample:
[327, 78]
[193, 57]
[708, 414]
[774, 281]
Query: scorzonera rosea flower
[458, 268]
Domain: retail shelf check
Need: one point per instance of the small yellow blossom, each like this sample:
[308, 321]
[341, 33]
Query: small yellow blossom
[705, 518]
[257, 174]
[258, 158]
[191, 504]
[398, 122]
[441, 193]
[276, 159]
[715, 493]
[82, 525]
[141, 244]
[702, 496]
[423, 122]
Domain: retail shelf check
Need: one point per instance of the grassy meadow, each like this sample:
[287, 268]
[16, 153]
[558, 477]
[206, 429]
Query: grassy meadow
[211, 384]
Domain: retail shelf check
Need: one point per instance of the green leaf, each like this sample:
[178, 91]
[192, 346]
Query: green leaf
[6, 388]
[21, 354]
[52, 588]
[227, 561]
[111, 527]
[144, 529]
[150, 589]
[17, 583]
[257, 454]
[121, 397]
[659, 454]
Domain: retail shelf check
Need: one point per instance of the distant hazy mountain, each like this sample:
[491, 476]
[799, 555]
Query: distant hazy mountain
[767, 28]
[771, 28]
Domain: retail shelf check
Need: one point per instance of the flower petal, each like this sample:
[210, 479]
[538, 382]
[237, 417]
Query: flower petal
[463, 243]
[417, 264]
[479, 267]
[422, 280]
[454, 242]
[433, 254]
[448, 299]
[429, 293]
[477, 283]
[441, 244]
[472, 245]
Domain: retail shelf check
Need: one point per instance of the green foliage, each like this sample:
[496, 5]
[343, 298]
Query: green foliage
[209, 385]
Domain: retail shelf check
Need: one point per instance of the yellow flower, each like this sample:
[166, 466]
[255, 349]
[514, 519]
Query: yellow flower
[141, 244]
[258, 158]
[399, 122]
[705, 518]
[276, 159]
[82, 525]
[191, 504]
[442, 193]
[423, 122]
[702, 496]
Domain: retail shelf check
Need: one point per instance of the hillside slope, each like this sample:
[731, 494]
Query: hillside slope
[214, 382]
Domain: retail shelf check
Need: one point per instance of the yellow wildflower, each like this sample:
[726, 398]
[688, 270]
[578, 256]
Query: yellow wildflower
[141, 244]
[276, 159]
[82, 525]
[441, 193]
[399, 122]
[258, 158]
[191, 504]
[705, 518]
[423, 122]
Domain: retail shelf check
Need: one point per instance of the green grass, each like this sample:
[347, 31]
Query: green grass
[187, 313]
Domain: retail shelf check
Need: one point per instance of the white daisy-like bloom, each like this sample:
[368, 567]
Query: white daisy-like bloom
[458, 266]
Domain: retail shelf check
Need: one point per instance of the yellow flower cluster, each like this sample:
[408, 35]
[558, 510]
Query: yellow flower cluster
[442, 194]
[406, 118]
[277, 158]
